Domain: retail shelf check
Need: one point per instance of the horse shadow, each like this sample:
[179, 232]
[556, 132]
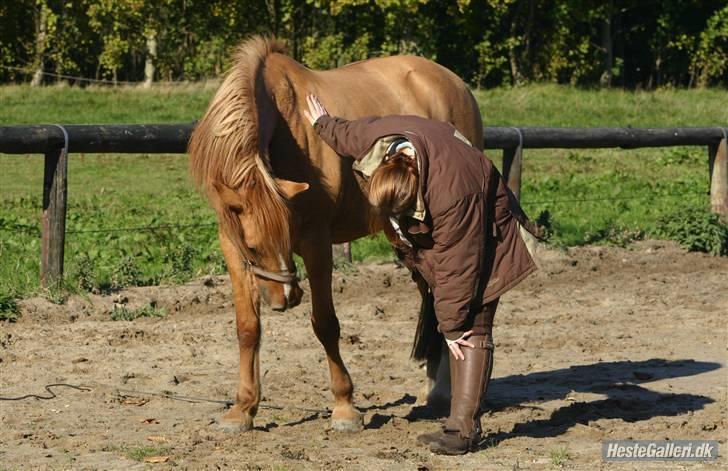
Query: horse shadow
[621, 381]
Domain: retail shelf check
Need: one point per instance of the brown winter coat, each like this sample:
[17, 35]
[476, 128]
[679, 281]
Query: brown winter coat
[464, 233]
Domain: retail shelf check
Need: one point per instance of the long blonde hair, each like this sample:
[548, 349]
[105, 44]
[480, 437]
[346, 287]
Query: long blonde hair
[394, 184]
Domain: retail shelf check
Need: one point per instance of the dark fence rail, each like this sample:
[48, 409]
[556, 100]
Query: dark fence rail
[172, 138]
[593, 138]
[57, 141]
[117, 138]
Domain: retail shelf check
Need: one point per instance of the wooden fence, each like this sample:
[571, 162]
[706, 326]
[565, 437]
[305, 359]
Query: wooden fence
[56, 142]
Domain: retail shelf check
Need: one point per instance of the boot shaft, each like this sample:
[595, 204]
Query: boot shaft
[470, 378]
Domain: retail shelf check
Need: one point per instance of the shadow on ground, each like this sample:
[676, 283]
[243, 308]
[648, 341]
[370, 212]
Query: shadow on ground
[621, 381]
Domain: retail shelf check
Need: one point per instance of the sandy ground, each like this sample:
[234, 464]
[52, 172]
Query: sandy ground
[600, 344]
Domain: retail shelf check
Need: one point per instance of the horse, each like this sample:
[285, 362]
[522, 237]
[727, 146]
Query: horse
[277, 188]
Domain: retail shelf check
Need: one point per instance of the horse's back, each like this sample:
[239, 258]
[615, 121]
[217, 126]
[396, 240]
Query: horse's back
[388, 85]
[406, 85]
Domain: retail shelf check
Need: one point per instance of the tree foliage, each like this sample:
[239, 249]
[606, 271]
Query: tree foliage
[628, 43]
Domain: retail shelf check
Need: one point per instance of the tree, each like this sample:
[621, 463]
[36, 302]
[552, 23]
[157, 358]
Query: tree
[44, 20]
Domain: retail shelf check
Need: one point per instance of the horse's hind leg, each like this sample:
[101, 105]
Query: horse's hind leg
[438, 382]
[316, 253]
[247, 306]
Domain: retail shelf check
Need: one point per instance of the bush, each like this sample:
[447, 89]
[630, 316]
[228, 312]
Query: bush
[127, 273]
[181, 260]
[614, 235]
[8, 308]
[85, 274]
[544, 220]
[696, 229]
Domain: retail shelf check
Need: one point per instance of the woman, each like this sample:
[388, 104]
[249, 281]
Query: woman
[459, 227]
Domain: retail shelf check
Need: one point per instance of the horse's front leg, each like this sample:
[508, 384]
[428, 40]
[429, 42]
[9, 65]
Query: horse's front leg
[247, 307]
[316, 253]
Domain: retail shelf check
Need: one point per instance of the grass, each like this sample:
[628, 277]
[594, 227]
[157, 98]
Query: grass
[560, 106]
[104, 105]
[123, 313]
[139, 453]
[559, 457]
[585, 196]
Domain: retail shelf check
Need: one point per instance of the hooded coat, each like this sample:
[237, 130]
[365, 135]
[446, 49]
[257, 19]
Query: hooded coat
[464, 236]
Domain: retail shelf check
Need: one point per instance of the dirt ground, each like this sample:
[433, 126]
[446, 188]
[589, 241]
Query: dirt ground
[600, 344]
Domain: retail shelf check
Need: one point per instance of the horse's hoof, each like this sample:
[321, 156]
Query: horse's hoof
[229, 426]
[235, 421]
[348, 425]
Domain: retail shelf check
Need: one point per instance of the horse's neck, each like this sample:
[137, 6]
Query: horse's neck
[289, 83]
[336, 201]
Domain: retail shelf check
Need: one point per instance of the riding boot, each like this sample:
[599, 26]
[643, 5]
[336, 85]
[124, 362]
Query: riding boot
[469, 385]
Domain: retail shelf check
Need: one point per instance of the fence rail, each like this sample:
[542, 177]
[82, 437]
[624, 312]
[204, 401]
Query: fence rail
[56, 142]
[172, 138]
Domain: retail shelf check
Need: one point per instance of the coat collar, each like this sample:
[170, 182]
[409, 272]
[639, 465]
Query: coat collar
[376, 154]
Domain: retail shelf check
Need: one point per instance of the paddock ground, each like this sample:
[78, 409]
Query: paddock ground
[602, 343]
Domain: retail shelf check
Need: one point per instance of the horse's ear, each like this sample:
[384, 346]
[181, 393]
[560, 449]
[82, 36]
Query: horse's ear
[291, 189]
[229, 197]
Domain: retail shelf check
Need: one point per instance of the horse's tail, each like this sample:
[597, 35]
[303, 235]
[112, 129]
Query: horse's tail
[228, 145]
[428, 341]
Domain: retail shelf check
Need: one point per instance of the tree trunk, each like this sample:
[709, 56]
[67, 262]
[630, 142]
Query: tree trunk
[41, 28]
[149, 63]
[515, 71]
[527, 41]
[274, 14]
[607, 46]
[516, 76]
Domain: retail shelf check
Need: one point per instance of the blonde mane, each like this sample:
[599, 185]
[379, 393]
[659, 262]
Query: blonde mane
[226, 147]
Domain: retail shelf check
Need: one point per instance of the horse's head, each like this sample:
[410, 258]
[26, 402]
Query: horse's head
[258, 223]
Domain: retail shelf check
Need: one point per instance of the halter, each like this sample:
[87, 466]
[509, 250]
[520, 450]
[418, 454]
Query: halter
[280, 277]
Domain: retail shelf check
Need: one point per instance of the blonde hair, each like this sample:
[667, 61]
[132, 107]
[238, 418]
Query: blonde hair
[226, 147]
[394, 184]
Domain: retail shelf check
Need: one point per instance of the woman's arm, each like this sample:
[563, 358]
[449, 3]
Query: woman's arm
[346, 137]
[459, 235]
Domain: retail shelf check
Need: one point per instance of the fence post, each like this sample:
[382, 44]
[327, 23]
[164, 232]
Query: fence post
[718, 166]
[53, 220]
[512, 167]
[343, 251]
[347, 251]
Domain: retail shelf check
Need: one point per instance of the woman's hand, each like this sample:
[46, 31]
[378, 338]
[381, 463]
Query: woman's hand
[454, 345]
[315, 109]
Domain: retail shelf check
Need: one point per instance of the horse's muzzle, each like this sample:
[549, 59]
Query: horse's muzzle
[291, 298]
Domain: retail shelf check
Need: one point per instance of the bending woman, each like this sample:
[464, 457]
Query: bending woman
[458, 226]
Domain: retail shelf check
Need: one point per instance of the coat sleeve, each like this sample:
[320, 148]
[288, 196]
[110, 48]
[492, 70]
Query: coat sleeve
[457, 255]
[347, 138]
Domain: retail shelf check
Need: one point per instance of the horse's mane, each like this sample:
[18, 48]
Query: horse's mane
[226, 147]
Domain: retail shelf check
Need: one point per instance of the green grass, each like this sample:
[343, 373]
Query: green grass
[559, 457]
[139, 453]
[557, 106]
[586, 196]
[104, 105]
[123, 313]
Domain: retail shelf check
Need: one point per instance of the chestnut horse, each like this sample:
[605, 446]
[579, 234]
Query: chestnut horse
[277, 188]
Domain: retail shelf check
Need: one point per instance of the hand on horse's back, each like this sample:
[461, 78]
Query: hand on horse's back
[315, 109]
